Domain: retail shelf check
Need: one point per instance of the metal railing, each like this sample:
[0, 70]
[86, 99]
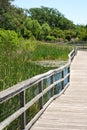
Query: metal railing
[25, 102]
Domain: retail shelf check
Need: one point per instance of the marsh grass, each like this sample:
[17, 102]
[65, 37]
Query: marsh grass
[16, 66]
[51, 52]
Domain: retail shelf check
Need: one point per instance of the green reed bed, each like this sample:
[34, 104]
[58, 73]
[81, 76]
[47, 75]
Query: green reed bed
[51, 52]
[17, 69]
[16, 66]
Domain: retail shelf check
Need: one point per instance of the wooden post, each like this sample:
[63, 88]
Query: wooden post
[22, 104]
[52, 90]
[63, 80]
[68, 73]
[40, 84]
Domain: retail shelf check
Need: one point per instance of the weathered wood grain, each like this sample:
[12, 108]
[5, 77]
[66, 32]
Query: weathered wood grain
[69, 111]
[21, 88]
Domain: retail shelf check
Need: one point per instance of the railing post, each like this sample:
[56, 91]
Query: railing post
[52, 90]
[41, 90]
[63, 80]
[22, 104]
[68, 73]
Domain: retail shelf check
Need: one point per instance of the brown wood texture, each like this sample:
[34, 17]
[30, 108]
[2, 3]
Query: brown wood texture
[69, 111]
[21, 87]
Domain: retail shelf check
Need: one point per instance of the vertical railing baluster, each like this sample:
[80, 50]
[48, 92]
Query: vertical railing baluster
[68, 73]
[41, 90]
[63, 80]
[52, 90]
[22, 104]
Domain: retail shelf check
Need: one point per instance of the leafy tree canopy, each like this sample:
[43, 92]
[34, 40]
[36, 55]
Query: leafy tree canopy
[40, 23]
[51, 16]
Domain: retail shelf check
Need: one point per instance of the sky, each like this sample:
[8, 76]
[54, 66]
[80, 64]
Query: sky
[74, 10]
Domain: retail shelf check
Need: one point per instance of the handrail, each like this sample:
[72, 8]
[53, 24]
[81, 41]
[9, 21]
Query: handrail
[72, 54]
[80, 45]
[45, 86]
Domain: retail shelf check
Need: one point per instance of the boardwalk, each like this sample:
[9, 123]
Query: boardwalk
[69, 111]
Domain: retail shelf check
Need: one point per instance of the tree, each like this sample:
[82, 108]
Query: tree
[4, 7]
[45, 31]
[69, 34]
[8, 40]
[46, 15]
[51, 16]
[81, 32]
[33, 26]
[58, 33]
[5, 4]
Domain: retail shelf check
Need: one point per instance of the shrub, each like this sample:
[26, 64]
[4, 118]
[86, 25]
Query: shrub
[50, 38]
[8, 39]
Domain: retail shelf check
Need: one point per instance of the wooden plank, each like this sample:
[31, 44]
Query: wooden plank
[69, 111]
[21, 87]
[23, 115]
[16, 89]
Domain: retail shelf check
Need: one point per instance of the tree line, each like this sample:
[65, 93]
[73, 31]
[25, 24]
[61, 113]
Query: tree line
[42, 23]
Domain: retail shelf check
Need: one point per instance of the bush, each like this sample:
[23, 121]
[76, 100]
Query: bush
[50, 38]
[8, 39]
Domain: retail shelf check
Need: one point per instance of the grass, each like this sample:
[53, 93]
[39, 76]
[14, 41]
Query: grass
[16, 66]
[51, 52]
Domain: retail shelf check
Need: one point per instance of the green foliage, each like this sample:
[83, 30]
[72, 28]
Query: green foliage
[39, 23]
[4, 6]
[52, 16]
[17, 61]
[81, 32]
[50, 52]
[50, 38]
[8, 40]
[85, 37]
[45, 31]
[8, 36]
[65, 24]
[32, 27]
[10, 16]
[19, 65]
[58, 33]
[69, 34]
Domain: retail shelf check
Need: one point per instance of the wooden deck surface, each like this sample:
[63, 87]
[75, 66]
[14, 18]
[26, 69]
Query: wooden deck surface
[69, 111]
